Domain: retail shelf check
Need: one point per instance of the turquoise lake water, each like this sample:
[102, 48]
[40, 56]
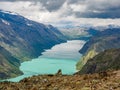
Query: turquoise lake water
[63, 56]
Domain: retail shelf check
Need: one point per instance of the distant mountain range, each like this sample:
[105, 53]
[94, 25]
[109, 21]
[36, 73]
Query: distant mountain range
[22, 39]
[84, 32]
[95, 54]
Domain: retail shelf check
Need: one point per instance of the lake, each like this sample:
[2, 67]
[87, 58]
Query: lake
[62, 56]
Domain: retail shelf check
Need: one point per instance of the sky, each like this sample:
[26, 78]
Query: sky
[66, 12]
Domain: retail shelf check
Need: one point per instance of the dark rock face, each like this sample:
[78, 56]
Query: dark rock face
[107, 60]
[25, 39]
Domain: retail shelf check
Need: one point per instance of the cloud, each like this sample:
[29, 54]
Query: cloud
[50, 5]
[100, 9]
[66, 11]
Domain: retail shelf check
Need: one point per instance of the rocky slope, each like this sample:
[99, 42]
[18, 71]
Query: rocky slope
[8, 64]
[100, 81]
[24, 39]
[104, 40]
[107, 60]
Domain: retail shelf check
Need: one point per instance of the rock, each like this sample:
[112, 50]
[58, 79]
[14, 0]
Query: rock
[59, 72]
[66, 82]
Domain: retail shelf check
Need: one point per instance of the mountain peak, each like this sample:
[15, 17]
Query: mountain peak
[8, 12]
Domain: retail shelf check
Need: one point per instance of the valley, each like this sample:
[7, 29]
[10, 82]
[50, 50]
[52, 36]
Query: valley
[21, 40]
[59, 44]
[86, 57]
[63, 56]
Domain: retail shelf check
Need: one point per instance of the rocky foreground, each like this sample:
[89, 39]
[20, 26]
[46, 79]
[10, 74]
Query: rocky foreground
[100, 81]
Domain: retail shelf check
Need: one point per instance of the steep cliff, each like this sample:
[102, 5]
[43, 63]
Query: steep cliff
[107, 60]
[8, 64]
[24, 39]
[106, 39]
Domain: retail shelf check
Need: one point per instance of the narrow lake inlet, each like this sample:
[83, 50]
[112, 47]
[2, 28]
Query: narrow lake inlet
[63, 56]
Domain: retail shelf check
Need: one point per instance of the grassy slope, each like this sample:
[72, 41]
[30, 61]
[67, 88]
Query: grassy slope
[107, 60]
[22, 40]
[107, 39]
[8, 65]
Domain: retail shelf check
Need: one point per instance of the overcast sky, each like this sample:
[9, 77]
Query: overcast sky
[59, 12]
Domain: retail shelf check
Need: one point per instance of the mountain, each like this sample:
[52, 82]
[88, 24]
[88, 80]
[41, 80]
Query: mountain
[107, 60]
[74, 32]
[85, 31]
[79, 32]
[106, 39]
[23, 39]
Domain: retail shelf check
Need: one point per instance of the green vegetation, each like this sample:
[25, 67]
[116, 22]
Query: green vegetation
[9, 65]
[20, 42]
[107, 60]
[85, 58]
[105, 40]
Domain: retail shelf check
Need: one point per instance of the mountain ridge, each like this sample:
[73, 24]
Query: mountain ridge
[106, 60]
[25, 39]
[105, 40]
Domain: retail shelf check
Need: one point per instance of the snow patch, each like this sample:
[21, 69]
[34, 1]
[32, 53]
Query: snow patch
[28, 24]
[13, 13]
[5, 22]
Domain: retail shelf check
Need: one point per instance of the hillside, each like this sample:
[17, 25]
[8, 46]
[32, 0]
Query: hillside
[98, 81]
[23, 39]
[107, 60]
[104, 40]
[8, 64]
